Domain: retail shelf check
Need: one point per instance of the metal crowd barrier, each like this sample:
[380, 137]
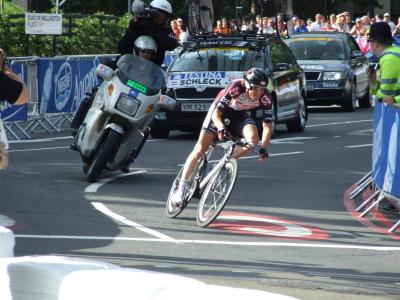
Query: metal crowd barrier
[384, 178]
[56, 85]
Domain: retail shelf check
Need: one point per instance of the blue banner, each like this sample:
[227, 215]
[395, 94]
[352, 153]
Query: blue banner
[8, 112]
[386, 149]
[63, 83]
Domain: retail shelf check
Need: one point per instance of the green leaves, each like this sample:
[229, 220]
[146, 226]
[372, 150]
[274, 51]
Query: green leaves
[89, 34]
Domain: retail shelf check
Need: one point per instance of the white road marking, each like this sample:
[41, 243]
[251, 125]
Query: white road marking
[102, 208]
[39, 149]
[41, 140]
[359, 146]
[292, 140]
[339, 123]
[95, 186]
[216, 242]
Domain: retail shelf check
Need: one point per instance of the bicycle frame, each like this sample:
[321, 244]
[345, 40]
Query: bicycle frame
[228, 147]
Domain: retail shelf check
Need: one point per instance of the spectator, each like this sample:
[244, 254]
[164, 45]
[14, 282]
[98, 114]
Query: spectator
[396, 31]
[386, 88]
[225, 27]
[282, 28]
[347, 19]
[233, 25]
[299, 26]
[358, 29]
[218, 27]
[379, 18]
[341, 24]
[266, 28]
[175, 29]
[179, 21]
[386, 18]
[184, 35]
[329, 27]
[318, 25]
[14, 91]
[332, 19]
[258, 23]
[363, 43]
[309, 22]
[366, 21]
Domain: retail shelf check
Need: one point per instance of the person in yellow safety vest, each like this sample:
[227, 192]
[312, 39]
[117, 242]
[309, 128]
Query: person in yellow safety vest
[387, 87]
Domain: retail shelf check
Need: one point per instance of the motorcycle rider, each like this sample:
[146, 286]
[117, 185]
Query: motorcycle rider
[247, 105]
[156, 28]
[139, 25]
[145, 47]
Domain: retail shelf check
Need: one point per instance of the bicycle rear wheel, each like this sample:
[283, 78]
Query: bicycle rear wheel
[217, 193]
[198, 174]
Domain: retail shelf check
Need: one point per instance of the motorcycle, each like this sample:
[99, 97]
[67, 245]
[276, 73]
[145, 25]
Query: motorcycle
[117, 124]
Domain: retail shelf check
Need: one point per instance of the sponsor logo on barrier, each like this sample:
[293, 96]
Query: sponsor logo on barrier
[63, 85]
[84, 85]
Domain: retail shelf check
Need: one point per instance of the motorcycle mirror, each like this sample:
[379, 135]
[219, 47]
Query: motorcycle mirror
[166, 102]
[104, 72]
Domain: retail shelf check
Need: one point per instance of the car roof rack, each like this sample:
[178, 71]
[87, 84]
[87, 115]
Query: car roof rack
[245, 40]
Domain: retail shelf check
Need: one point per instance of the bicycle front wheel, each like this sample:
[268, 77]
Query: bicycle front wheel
[217, 193]
[173, 211]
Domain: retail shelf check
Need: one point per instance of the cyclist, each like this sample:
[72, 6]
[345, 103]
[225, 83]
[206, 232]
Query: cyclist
[240, 109]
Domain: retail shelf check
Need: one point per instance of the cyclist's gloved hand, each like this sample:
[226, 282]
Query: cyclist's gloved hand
[222, 133]
[262, 154]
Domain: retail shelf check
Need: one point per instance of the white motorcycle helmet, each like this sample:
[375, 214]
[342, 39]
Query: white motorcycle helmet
[162, 5]
[145, 43]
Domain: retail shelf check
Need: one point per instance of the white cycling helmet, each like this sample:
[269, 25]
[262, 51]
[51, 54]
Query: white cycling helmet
[162, 5]
[145, 42]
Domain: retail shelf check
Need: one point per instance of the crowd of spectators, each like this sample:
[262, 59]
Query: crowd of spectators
[342, 22]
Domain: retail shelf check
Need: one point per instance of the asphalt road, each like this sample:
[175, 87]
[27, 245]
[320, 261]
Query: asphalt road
[285, 229]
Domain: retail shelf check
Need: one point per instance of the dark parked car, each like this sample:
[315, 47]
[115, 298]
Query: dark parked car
[335, 68]
[207, 64]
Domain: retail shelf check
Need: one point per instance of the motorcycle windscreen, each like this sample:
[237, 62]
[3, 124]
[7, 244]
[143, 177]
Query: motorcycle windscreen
[140, 74]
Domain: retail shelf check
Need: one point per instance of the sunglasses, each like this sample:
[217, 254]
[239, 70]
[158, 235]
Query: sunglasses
[258, 88]
[146, 51]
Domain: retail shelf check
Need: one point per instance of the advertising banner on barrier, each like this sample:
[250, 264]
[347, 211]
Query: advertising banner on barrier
[386, 149]
[62, 83]
[11, 113]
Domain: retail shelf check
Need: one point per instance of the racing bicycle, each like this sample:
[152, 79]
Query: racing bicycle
[213, 188]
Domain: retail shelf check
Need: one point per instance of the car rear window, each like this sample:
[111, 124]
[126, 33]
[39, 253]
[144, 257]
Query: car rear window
[218, 59]
[317, 48]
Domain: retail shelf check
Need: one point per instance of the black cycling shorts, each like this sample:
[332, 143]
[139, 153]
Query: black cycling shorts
[234, 122]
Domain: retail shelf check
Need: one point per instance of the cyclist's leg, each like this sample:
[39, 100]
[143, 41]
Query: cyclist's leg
[202, 145]
[250, 134]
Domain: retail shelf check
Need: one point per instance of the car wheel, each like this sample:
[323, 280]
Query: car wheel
[351, 99]
[299, 123]
[366, 100]
[159, 133]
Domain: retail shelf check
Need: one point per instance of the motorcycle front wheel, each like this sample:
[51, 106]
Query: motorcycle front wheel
[105, 153]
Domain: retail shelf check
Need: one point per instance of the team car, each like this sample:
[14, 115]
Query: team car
[334, 67]
[207, 64]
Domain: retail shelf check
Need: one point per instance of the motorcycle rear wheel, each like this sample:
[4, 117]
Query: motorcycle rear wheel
[104, 154]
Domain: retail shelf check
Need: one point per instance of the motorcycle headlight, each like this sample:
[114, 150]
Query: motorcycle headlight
[128, 105]
[334, 76]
